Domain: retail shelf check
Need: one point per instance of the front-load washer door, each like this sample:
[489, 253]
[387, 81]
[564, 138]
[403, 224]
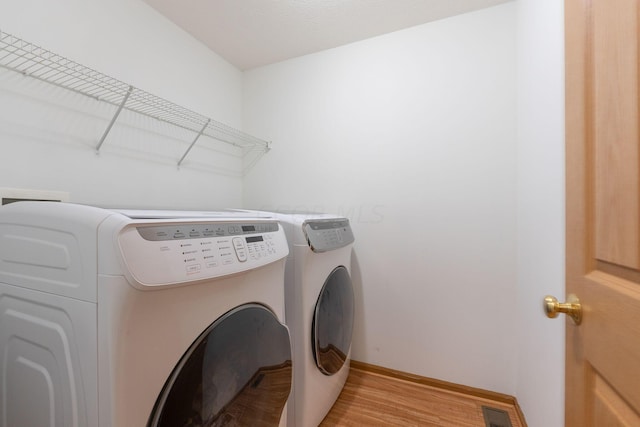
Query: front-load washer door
[237, 373]
[333, 322]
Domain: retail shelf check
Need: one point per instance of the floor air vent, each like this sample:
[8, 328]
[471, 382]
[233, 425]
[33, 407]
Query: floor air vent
[495, 417]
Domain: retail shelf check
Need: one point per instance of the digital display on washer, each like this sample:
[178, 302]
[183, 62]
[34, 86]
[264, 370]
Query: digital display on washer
[246, 228]
[254, 239]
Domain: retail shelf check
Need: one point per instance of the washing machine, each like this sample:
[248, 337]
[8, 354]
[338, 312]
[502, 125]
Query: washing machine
[319, 304]
[141, 318]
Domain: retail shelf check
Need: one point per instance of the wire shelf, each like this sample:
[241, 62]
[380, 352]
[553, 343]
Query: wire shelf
[33, 61]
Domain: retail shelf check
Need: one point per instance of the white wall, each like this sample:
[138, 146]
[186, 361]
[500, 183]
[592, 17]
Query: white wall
[47, 135]
[413, 136]
[540, 379]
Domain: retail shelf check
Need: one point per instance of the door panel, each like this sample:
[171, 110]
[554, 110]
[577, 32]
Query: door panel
[615, 115]
[610, 341]
[603, 215]
[610, 409]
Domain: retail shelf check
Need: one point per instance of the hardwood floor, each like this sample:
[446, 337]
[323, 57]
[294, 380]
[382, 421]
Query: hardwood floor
[377, 397]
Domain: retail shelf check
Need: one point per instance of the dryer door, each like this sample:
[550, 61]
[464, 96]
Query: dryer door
[333, 322]
[238, 372]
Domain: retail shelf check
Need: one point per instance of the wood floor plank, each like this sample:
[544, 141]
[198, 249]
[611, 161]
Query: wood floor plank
[374, 399]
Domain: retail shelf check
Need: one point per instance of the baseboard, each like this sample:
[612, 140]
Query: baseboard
[443, 385]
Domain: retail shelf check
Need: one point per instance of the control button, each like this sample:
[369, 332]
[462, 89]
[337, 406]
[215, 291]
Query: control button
[227, 261]
[212, 264]
[241, 249]
[193, 268]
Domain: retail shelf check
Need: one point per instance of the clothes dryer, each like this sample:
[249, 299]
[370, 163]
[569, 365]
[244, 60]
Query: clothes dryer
[319, 305]
[141, 318]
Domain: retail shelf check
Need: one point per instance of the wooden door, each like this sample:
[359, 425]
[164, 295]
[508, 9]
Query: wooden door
[603, 211]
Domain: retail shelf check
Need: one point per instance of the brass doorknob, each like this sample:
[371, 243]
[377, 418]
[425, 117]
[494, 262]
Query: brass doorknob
[572, 307]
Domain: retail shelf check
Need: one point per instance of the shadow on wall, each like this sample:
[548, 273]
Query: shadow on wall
[358, 322]
[45, 116]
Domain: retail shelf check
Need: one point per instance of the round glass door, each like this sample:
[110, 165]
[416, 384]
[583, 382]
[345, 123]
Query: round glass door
[333, 322]
[236, 373]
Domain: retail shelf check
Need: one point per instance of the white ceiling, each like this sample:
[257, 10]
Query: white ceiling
[251, 33]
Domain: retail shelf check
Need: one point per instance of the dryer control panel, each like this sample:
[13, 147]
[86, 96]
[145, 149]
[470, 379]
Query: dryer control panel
[328, 234]
[158, 255]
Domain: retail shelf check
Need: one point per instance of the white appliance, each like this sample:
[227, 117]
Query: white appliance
[319, 305]
[117, 319]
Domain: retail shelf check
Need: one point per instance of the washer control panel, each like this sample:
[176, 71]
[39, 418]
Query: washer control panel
[176, 253]
[328, 234]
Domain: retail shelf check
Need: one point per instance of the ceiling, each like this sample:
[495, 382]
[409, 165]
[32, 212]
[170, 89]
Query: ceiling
[251, 33]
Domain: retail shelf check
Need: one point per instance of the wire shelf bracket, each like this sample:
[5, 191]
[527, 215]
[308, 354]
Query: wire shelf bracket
[194, 142]
[33, 61]
[113, 120]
